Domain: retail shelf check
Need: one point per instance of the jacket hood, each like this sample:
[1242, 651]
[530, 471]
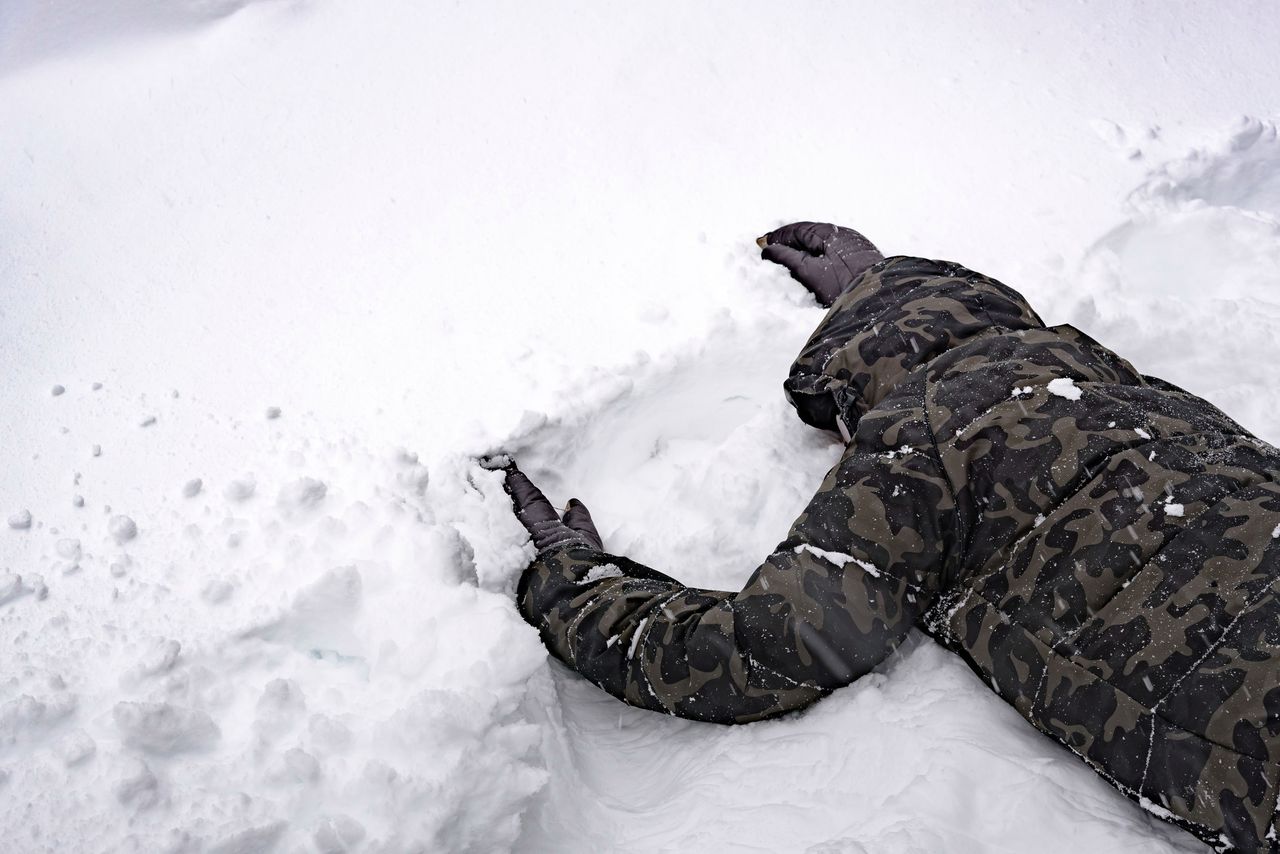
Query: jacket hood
[895, 317]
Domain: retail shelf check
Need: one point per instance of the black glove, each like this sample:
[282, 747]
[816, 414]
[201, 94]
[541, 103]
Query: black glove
[824, 258]
[545, 526]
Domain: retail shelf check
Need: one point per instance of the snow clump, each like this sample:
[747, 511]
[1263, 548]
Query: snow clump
[122, 529]
[1064, 387]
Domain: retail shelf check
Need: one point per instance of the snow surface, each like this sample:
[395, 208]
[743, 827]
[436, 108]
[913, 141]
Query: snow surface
[287, 267]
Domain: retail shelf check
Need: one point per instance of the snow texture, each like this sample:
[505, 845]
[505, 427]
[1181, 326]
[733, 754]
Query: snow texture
[596, 573]
[1064, 387]
[431, 231]
[122, 529]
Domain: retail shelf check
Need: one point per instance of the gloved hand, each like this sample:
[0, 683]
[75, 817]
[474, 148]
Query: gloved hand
[824, 258]
[539, 517]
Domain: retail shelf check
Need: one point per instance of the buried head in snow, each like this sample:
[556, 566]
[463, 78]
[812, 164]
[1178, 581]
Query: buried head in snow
[324, 256]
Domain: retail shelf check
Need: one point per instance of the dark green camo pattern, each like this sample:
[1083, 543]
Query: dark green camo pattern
[1101, 547]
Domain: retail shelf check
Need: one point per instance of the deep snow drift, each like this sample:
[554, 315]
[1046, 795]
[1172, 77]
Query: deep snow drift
[272, 274]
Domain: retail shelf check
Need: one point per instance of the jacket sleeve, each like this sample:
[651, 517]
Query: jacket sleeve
[855, 572]
[896, 316]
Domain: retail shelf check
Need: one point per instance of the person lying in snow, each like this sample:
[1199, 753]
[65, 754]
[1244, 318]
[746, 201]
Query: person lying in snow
[1100, 546]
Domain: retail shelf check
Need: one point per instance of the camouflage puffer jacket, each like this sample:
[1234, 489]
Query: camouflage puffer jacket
[1100, 546]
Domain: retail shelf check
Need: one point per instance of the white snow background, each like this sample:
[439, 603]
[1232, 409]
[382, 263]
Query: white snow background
[318, 255]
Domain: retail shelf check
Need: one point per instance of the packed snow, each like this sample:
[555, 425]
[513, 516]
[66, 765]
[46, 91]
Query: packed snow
[1064, 387]
[274, 274]
[598, 573]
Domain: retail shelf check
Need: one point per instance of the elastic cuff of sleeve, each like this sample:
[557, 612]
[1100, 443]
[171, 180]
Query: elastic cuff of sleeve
[565, 545]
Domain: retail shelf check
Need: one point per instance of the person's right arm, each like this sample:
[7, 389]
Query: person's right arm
[857, 569]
